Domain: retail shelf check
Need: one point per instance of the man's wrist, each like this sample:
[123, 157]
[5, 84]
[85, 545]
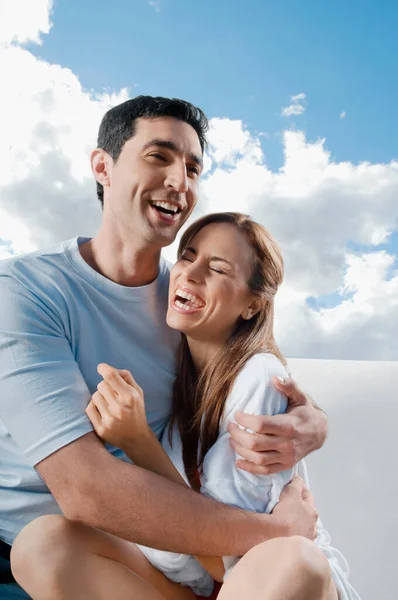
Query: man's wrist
[275, 527]
[321, 429]
[314, 404]
[269, 526]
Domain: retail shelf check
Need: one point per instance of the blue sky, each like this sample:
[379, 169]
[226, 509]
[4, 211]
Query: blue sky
[244, 60]
[332, 204]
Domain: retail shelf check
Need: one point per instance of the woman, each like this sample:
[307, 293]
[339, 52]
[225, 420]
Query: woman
[221, 298]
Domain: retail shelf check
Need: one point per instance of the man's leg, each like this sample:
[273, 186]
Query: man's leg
[290, 568]
[9, 590]
[56, 559]
[12, 591]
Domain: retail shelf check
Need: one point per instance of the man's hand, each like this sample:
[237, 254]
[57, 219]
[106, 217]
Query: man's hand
[296, 510]
[279, 441]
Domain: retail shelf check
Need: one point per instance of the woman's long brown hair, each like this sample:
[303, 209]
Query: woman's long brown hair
[199, 400]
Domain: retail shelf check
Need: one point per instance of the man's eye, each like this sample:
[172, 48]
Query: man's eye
[184, 257]
[159, 156]
[194, 170]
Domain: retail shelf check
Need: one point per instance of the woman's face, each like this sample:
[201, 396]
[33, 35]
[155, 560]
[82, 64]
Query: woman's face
[209, 289]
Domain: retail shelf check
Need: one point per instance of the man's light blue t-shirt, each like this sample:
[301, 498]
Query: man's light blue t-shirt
[58, 319]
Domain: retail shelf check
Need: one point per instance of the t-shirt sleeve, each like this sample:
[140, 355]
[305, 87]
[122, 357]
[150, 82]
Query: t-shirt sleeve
[252, 393]
[43, 395]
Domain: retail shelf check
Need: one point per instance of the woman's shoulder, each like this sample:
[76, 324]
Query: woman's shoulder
[253, 390]
[263, 364]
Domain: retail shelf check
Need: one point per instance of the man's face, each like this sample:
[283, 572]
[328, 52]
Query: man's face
[153, 185]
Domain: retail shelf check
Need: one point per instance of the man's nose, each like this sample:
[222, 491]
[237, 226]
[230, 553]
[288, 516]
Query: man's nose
[177, 178]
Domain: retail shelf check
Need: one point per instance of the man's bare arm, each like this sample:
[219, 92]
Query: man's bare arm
[92, 486]
[149, 454]
[280, 441]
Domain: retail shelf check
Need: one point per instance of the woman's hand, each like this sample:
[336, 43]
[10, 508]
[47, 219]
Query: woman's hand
[117, 409]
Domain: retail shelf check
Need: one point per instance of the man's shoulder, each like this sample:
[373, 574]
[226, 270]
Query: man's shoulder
[164, 277]
[167, 263]
[32, 266]
[165, 267]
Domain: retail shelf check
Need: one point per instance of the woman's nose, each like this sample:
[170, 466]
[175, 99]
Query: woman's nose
[194, 272]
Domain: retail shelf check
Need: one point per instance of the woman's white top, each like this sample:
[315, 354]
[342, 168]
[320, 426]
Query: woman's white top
[253, 393]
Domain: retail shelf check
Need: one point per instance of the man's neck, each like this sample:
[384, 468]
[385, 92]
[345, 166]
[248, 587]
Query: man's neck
[121, 261]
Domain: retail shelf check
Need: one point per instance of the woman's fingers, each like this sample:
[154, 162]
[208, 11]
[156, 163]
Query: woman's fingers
[101, 404]
[112, 377]
[108, 393]
[127, 376]
[93, 415]
[120, 380]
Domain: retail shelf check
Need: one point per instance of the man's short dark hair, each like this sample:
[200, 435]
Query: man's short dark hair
[119, 123]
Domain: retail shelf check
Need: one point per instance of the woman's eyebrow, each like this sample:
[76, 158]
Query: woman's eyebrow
[189, 249]
[221, 259]
[212, 258]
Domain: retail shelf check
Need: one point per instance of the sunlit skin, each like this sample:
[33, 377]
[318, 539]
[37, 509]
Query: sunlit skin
[161, 162]
[216, 269]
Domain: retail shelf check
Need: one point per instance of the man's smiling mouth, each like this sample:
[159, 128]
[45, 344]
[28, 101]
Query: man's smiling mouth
[165, 208]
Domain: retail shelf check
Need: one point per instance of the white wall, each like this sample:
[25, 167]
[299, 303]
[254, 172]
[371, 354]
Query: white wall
[354, 476]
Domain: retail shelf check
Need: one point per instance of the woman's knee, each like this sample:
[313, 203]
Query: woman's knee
[309, 559]
[42, 545]
[296, 557]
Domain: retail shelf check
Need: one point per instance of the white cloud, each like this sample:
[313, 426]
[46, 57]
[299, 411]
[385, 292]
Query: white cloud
[46, 187]
[343, 114]
[35, 20]
[4, 254]
[228, 141]
[313, 204]
[156, 5]
[297, 106]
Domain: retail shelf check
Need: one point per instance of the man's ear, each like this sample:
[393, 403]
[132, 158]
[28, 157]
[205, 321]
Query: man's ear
[101, 164]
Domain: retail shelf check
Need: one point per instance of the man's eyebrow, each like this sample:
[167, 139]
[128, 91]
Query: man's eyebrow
[169, 145]
[213, 258]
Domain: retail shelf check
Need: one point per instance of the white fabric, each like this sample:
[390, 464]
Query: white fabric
[254, 393]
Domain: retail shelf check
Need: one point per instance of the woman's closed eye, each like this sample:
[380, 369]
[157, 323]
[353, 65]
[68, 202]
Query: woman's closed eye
[186, 258]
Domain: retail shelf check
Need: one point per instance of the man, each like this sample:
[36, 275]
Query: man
[87, 301]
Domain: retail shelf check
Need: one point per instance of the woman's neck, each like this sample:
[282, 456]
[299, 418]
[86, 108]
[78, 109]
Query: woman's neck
[203, 352]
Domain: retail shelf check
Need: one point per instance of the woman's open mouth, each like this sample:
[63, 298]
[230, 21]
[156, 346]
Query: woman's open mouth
[186, 302]
[166, 211]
